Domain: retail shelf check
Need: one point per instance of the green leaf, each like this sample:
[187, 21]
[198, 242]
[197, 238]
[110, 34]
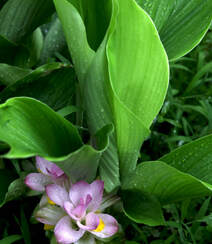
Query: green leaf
[142, 207]
[100, 114]
[18, 19]
[182, 24]
[16, 189]
[96, 16]
[197, 78]
[54, 41]
[132, 72]
[31, 128]
[21, 17]
[201, 215]
[83, 163]
[113, 75]
[10, 74]
[52, 84]
[14, 73]
[65, 111]
[35, 45]
[194, 158]
[75, 33]
[163, 182]
[29, 52]
[10, 239]
[114, 82]
[82, 55]
[203, 209]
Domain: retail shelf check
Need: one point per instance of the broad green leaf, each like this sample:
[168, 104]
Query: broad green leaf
[114, 84]
[65, 111]
[194, 158]
[29, 52]
[75, 33]
[83, 163]
[142, 207]
[118, 69]
[54, 41]
[15, 73]
[11, 239]
[35, 46]
[166, 183]
[182, 24]
[96, 16]
[10, 74]
[6, 177]
[31, 128]
[18, 19]
[100, 114]
[82, 55]
[52, 84]
[96, 24]
[139, 73]
[21, 17]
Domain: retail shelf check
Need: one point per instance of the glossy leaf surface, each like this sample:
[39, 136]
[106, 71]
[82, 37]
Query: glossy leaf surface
[181, 23]
[19, 18]
[194, 158]
[54, 41]
[31, 128]
[165, 183]
[108, 82]
[10, 74]
[53, 84]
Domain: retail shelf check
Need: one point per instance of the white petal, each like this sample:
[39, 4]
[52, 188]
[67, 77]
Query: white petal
[65, 234]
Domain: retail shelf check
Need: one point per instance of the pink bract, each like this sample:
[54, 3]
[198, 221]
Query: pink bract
[49, 173]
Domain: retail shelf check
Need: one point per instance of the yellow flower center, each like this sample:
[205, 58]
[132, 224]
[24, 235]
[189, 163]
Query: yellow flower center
[48, 227]
[101, 226]
[50, 201]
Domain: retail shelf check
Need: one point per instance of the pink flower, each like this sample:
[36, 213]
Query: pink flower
[49, 173]
[78, 212]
